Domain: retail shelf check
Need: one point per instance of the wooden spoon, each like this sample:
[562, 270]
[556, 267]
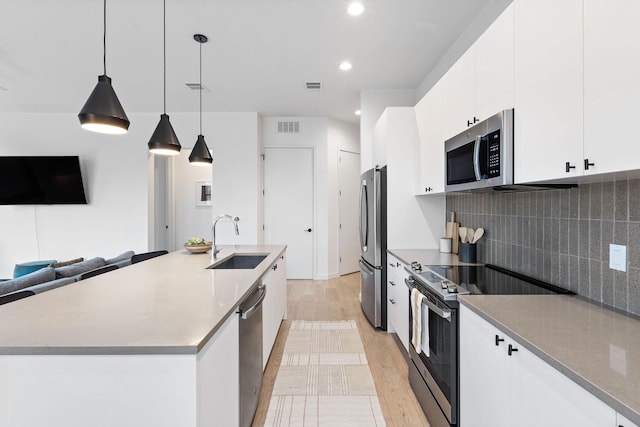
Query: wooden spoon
[463, 234]
[478, 234]
[470, 234]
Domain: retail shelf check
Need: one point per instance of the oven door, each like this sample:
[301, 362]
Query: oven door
[439, 368]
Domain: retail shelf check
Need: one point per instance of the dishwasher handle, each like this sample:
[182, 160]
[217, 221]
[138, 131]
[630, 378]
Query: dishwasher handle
[245, 314]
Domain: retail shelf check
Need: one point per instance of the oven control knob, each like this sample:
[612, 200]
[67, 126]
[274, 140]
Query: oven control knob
[445, 284]
[453, 289]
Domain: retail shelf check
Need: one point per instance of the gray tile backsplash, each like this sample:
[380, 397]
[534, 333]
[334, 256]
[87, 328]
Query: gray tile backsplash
[562, 236]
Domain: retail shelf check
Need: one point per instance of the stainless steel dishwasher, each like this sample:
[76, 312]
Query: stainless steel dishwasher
[250, 312]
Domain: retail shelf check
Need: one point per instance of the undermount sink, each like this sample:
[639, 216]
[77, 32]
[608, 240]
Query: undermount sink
[239, 262]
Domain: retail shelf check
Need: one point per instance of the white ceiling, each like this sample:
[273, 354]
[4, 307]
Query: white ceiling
[259, 55]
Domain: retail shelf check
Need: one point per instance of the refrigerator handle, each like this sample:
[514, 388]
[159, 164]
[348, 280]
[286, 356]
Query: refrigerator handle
[364, 216]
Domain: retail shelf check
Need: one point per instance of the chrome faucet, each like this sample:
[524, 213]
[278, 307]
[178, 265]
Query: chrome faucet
[215, 221]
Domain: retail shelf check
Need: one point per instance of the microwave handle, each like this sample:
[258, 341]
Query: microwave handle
[476, 157]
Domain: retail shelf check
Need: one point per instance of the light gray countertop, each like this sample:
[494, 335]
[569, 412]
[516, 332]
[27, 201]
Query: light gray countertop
[171, 304]
[426, 257]
[594, 346]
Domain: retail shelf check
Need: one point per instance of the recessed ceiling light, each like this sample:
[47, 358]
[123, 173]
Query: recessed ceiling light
[355, 9]
[345, 65]
[357, 112]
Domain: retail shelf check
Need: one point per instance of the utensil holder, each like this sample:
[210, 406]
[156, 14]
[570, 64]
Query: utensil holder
[467, 252]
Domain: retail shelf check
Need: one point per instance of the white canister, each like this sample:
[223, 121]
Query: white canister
[445, 245]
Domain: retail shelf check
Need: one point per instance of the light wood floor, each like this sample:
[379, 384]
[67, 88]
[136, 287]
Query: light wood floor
[337, 299]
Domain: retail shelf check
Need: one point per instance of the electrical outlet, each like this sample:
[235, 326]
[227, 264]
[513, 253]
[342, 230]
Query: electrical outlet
[618, 257]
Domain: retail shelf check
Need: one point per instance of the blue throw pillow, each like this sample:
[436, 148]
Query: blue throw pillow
[29, 267]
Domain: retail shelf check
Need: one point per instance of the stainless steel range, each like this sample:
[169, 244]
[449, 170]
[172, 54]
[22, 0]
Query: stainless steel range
[434, 370]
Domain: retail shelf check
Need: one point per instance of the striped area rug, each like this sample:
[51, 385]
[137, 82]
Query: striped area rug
[324, 379]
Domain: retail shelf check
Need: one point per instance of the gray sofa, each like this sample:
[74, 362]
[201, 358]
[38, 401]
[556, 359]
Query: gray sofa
[54, 277]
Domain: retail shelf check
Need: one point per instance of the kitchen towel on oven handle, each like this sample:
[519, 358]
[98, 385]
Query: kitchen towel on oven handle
[420, 327]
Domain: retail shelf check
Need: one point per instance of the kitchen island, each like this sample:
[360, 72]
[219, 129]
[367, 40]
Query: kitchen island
[154, 343]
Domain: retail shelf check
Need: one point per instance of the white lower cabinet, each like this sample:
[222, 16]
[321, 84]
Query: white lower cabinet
[397, 300]
[622, 421]
[274, 307]
[504, 384]
[218, 389]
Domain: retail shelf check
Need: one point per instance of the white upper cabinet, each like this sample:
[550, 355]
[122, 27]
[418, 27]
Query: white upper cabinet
[548, 89]
[477, 86]
[611, 85]
[480, 83]
[430, 115]
[494, 59]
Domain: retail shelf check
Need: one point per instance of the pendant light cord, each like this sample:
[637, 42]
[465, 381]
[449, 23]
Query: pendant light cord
[104, 36]
[200, 88]
[164, 51]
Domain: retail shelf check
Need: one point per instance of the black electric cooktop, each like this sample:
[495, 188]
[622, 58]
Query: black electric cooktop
[482, 280]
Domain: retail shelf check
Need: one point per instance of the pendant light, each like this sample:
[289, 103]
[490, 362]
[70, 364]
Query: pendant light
[200, 155]
[103, 112]
[164, 140]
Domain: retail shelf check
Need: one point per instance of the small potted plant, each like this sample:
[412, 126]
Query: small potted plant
[197, 245]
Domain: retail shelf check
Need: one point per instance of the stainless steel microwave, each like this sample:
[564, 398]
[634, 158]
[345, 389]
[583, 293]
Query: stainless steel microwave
[481, 156]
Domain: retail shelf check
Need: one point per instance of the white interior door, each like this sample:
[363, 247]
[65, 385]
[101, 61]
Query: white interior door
[288, 206]
[349, 185]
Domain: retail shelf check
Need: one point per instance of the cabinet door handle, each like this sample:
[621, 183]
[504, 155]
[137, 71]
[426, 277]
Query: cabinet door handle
[308, 230]
[392, 301]
[498, 340]
[511, 349]
[428, 189]
[392, 284]
[275, 267]
[587, 164]
[568, 167]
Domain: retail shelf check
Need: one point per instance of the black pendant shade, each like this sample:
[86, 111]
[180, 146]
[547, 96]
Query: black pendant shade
[164, 140]
[103, 112]
[200, 155]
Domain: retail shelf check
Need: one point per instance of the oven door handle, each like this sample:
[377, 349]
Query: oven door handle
[445, 314]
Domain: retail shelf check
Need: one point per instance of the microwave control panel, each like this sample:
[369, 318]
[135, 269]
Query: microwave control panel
[493, 153]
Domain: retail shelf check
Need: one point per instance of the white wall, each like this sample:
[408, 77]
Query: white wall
[236, 146]
[190, 220]
[327, 137]
[341, 136]
[115, 172]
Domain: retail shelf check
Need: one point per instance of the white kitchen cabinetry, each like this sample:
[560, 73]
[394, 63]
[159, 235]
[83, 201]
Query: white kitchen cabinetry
[611, 85]
[622, 421]
[218, 389]
[397, 300]
[477, 86]
[504, 384]
[274, 307]
[430, 114]
[548, 128]
[480, 83]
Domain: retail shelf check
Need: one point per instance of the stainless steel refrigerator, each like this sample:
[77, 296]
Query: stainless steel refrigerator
[373, 246]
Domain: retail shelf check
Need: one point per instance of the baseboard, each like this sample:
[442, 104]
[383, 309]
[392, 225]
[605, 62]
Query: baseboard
[403, 350]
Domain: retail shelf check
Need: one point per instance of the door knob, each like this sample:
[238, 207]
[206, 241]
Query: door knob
[308, 230]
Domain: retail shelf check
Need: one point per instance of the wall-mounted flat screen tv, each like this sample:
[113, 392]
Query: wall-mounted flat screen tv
[41, 180]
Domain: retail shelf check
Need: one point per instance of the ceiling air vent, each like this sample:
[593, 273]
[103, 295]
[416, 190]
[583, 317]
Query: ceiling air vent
[288, 127]
[314, 85]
